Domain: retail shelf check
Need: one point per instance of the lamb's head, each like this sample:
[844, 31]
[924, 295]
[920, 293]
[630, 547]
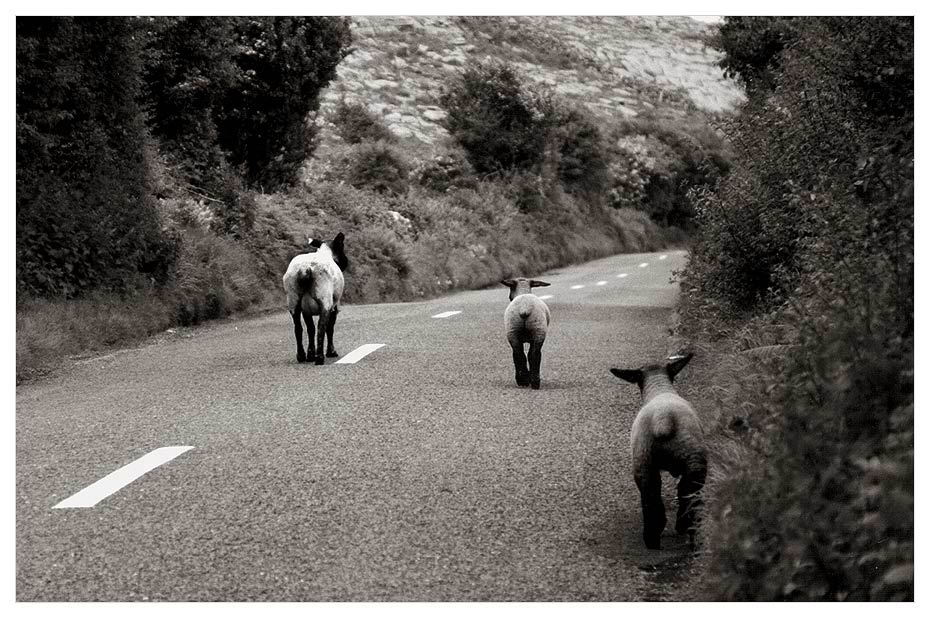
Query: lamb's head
[336, 246]
[668, 370]
[522, 286]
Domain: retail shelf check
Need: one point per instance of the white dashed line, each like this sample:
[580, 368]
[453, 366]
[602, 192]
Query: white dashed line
[358, 353]
[601, 283]
[577, 287]
[662, 257]
[113, 482]
[545, 296]
[446, 314]
[644, 265]
[621, 275]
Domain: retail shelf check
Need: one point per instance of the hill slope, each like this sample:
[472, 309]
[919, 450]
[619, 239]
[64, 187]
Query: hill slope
[618, 67]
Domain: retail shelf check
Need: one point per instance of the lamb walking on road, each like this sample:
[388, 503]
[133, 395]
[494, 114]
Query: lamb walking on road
[666, 435]
[526, 320]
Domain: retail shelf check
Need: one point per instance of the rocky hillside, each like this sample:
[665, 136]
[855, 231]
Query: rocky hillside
[616, 66]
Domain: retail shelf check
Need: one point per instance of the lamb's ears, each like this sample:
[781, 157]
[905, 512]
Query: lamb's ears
[510, 283]
[538, 284]
[633, 376]
[676, 364]
[315, 242]
[338, 242]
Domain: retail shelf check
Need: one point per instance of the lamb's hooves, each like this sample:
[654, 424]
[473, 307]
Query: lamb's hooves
[534, 386]
[653, 545]
[332, 354]
[301, 358]
[319, 360]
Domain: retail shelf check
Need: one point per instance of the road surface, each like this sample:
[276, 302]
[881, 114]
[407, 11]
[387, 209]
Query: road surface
[420, 472]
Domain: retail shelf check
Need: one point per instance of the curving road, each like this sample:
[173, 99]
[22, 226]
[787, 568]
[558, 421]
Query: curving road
[419, 472]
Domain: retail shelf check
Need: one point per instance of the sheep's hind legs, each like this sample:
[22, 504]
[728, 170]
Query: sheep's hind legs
[519, 363]
[299, 335]
[330, 350]
[535, 361]
[311, 332]
[320, 334]
[650, 490]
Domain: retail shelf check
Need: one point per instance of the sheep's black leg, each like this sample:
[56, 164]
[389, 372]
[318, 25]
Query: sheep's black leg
[650, 491]
[535, 360]
[330, 349]
[321, 334]
[519, 363]
[299, 335]
[311, 332]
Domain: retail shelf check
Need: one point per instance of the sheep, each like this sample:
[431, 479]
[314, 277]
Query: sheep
[666, 435]
[526, 320]
[314, 284]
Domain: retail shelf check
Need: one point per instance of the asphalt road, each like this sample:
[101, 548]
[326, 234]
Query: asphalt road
[419, 473]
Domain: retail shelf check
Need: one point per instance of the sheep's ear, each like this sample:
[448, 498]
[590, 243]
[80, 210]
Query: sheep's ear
[315, 242]
[676, 364]
[510, 283]
[633, 376]
[538, 284]
[338, 241]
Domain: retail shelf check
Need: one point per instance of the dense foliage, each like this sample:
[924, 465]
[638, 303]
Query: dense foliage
[82, 219]
[502, 124]
[810, 238]
[226, 99]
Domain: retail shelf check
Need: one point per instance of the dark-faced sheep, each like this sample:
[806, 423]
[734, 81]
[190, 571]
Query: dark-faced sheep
[314, 285]
[666, 435]
[526, 320]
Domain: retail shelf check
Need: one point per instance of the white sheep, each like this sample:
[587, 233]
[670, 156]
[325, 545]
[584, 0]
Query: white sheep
[666, 435]
[314, 286]
[526, 320]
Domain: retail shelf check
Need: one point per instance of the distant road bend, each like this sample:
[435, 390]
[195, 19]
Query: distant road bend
[217, 468]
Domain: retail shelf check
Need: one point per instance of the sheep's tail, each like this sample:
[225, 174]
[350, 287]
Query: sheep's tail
[304, 282]
[663, 426]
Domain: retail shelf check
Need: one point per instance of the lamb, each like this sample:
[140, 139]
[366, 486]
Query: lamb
[314, 284]
[666, 435]
[526, 320]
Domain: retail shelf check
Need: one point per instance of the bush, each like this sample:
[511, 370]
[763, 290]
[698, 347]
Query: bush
[445, 172]
[501, 123]
[582, 153]
[379, 167]
[812, 232]
[355, 124]
[81, 217]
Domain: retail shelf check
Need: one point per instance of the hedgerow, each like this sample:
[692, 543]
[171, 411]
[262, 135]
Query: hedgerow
[810, 240]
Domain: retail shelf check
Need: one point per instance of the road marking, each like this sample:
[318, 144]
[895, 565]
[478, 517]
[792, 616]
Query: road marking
[359, 353]
[446, 314]
[545, 296]
[601, 283]
[644, 265]
[577, 287]
[662, 257]
[621, 275]
[113, 482]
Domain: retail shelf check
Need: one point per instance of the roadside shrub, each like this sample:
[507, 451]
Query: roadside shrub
[81, 217]
[214, 278]
[355, 124]
[813, 231]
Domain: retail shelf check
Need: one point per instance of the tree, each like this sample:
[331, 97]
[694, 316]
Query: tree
[284, 62]
[81, 217]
